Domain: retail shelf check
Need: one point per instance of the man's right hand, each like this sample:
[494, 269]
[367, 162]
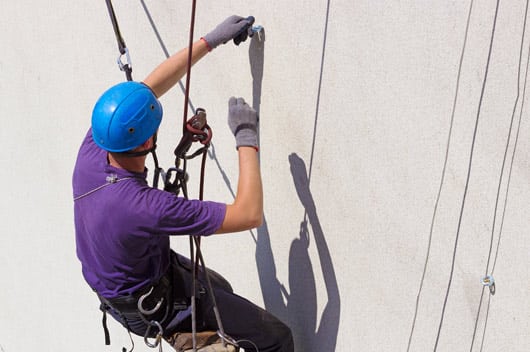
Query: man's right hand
[229, 29]
[243, 121]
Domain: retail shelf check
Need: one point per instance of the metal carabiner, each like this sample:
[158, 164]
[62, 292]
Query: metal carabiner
[123, 65]
[227, 339]
[158, 337]
[141, 303]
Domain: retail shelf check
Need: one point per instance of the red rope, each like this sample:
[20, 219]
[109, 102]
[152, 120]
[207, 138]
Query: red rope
[188, 74]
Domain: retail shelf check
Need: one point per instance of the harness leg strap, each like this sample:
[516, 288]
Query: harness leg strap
[105, 327]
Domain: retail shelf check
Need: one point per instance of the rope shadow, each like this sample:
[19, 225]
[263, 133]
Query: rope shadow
[164, 49]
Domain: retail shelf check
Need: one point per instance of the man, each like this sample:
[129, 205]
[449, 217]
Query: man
[123, 225]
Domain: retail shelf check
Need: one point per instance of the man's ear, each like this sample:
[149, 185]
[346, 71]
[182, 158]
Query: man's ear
[148, 143]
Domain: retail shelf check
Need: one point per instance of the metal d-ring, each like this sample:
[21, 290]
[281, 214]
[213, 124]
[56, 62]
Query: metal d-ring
[141, 303]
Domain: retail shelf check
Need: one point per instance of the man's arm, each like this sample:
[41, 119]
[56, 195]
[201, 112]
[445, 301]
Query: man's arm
[169, 72]
[247, 210]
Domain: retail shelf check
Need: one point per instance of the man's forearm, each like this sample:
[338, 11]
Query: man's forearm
[249, 196]
[169, 72]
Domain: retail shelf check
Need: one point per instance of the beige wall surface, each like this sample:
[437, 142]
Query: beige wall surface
[394, 151]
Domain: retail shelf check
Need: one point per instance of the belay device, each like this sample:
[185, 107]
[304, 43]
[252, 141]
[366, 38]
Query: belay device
[196, 130]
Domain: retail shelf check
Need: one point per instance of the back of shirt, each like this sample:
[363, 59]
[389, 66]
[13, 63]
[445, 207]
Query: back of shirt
[123, 225]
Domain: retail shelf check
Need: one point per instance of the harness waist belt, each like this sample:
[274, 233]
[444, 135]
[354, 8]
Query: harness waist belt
[129, 303]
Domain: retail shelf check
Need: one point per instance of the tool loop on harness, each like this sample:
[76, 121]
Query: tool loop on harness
[489, 282]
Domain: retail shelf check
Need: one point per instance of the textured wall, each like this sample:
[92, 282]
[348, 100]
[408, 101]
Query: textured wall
[394, 146]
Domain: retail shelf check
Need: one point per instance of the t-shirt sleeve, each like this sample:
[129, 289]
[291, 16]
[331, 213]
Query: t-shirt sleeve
[180, 216]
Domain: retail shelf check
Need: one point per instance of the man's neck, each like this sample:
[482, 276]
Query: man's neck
[133, 164]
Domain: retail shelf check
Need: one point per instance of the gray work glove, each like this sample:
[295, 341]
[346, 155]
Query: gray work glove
[243, 121]
[234, 27]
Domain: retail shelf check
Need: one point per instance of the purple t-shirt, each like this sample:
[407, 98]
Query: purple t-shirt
[123, 225]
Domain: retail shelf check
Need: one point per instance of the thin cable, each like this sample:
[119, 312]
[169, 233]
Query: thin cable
[468, 176]
[442, 178]
[511, 162]
[485, 323]
[507, 140]
[184, 121]
[509, 178]
[117, 33]
[317, 109]
[499, 186]
[477, 317]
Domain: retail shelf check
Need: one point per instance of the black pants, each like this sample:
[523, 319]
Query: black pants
[242, 320]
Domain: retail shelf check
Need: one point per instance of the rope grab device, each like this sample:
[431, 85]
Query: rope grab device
[195, 129]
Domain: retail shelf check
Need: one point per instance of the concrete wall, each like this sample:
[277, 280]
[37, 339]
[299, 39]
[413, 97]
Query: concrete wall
[392, 175]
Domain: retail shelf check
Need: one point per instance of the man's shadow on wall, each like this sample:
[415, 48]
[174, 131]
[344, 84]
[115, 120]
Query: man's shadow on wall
[297, 304]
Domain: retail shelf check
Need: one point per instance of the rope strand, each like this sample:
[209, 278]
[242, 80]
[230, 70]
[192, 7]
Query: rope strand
[501, 177]
[442, 178]
[468, 177]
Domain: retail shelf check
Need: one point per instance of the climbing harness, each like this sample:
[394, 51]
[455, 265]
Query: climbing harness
[136, 308]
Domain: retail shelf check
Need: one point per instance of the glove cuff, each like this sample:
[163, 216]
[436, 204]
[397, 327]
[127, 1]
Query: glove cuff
[256, 148]
[245, 126]
[207, 44]
[212, 40]
[246, 136]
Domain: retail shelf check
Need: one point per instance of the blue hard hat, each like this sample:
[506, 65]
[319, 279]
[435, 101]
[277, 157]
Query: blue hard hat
[125, 116]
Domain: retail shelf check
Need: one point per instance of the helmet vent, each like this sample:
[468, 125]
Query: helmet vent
[152, 107]
[131, 129]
